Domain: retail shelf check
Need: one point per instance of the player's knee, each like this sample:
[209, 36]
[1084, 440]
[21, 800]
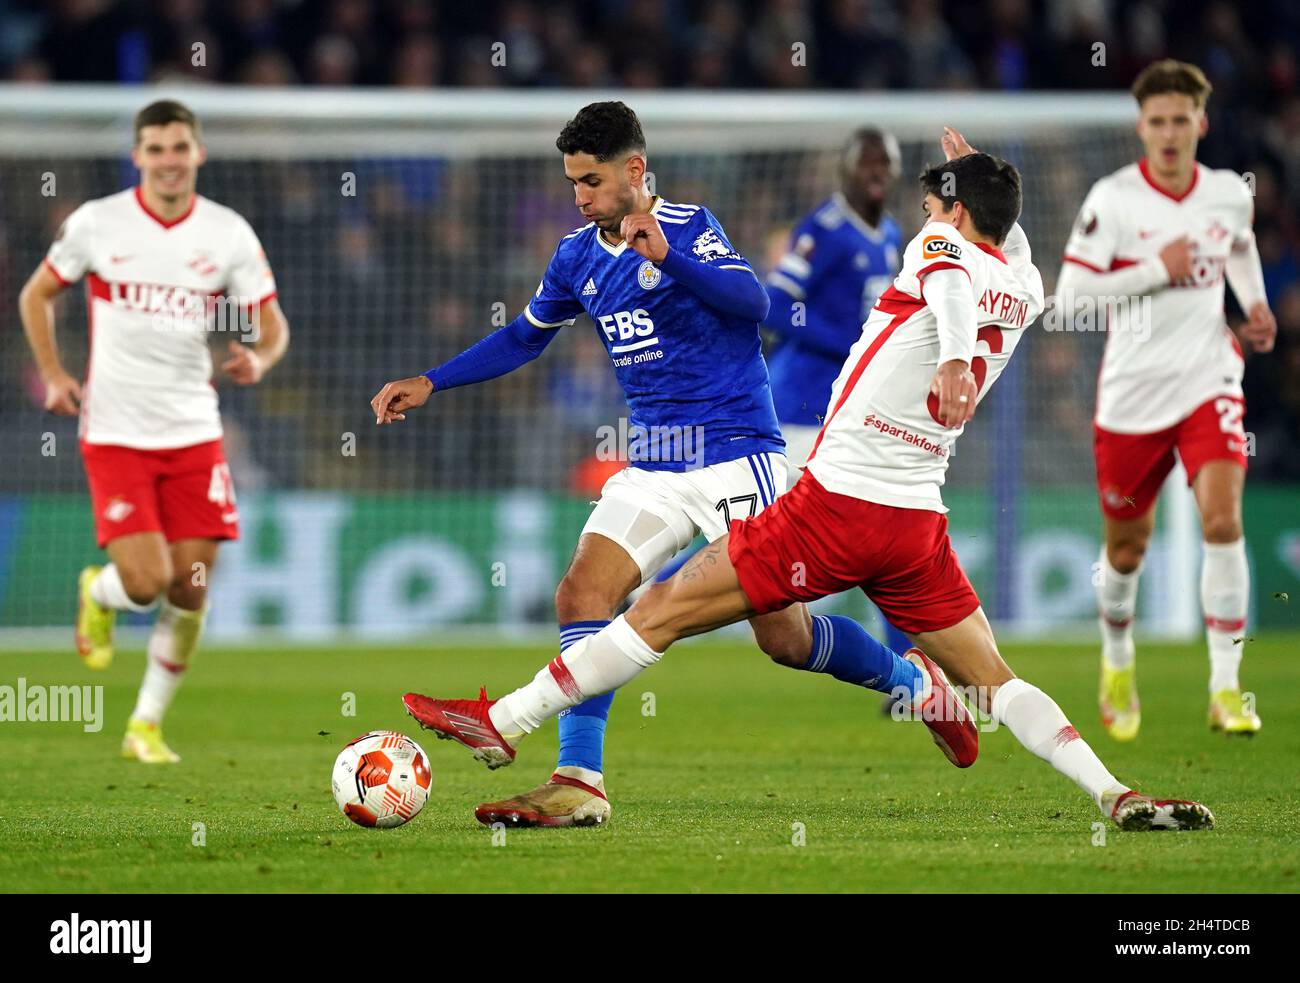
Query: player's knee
[144, 584]
[183, 593]
[785, 648]
[578, 599]
[1221, 528]
[1126, 554]
[785, 654]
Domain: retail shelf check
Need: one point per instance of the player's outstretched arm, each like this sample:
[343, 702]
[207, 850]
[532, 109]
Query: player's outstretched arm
[1016, 245]
[954, 144]
[504, 350]
[36, 309]
[398, 396]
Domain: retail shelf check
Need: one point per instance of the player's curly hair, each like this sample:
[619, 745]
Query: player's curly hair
[988, 186]
[605, 130]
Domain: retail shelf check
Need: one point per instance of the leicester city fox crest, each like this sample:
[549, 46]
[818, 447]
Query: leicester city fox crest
[648, 275]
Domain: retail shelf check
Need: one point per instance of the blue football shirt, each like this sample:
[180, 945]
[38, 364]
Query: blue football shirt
[694, 377]
[837, 266]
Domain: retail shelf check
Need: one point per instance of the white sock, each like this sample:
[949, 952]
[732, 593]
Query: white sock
[585, 775]
[597, 664]
[175, 636]
[1116, 605]
[1225, 590]
[108, 591]
[1038, 723]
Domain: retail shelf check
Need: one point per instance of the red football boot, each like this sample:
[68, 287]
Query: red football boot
[466, 721]
[943, 711]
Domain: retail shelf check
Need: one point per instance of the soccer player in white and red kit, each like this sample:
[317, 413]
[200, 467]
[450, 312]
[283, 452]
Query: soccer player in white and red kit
[867, 511]
[1155, 242]
[155, 259]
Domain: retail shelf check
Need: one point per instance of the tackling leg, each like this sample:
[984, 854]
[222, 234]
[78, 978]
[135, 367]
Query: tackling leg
[704, 595]
[968, 653]
[600, 576]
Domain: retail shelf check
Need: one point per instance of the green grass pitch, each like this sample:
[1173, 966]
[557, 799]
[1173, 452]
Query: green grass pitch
[740, 763]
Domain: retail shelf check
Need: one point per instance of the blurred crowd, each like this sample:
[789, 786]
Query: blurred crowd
[995, 44]
[432, 254]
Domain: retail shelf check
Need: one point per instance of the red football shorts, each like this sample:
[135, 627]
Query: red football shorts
[812, 543]
[1131, 467]
[183, 492]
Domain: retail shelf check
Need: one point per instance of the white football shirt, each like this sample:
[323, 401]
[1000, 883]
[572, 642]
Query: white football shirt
[1168, 351]
[882, 441]
[150, 286]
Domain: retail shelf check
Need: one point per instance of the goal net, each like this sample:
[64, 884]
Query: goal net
[403, 227]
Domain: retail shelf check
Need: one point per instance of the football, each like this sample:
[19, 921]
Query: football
[381, 779]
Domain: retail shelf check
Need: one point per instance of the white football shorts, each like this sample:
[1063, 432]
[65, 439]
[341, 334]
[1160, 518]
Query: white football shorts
[654, 515]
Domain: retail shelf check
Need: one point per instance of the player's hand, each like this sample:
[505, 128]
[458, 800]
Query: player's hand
[243, 366]
[1260, 330]
[954, 384]
[62, 394]
[392, 402]
[643, 234]
[954, 144]
[1177, 257]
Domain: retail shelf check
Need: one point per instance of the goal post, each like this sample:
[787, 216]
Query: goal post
[402, 226]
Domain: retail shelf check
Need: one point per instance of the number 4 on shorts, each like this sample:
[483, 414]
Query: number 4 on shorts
[221, 489]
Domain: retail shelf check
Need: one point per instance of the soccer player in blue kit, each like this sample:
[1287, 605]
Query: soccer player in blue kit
[678, 310]
[841, 258]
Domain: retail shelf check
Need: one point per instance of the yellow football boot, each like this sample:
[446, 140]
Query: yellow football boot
[94, 624]
[1121, 714]
[1232, 713]
[144, 742]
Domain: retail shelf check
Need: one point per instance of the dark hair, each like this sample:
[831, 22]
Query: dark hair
[1168, 75]
[603, 129]
[988, 186]
[166, 111]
